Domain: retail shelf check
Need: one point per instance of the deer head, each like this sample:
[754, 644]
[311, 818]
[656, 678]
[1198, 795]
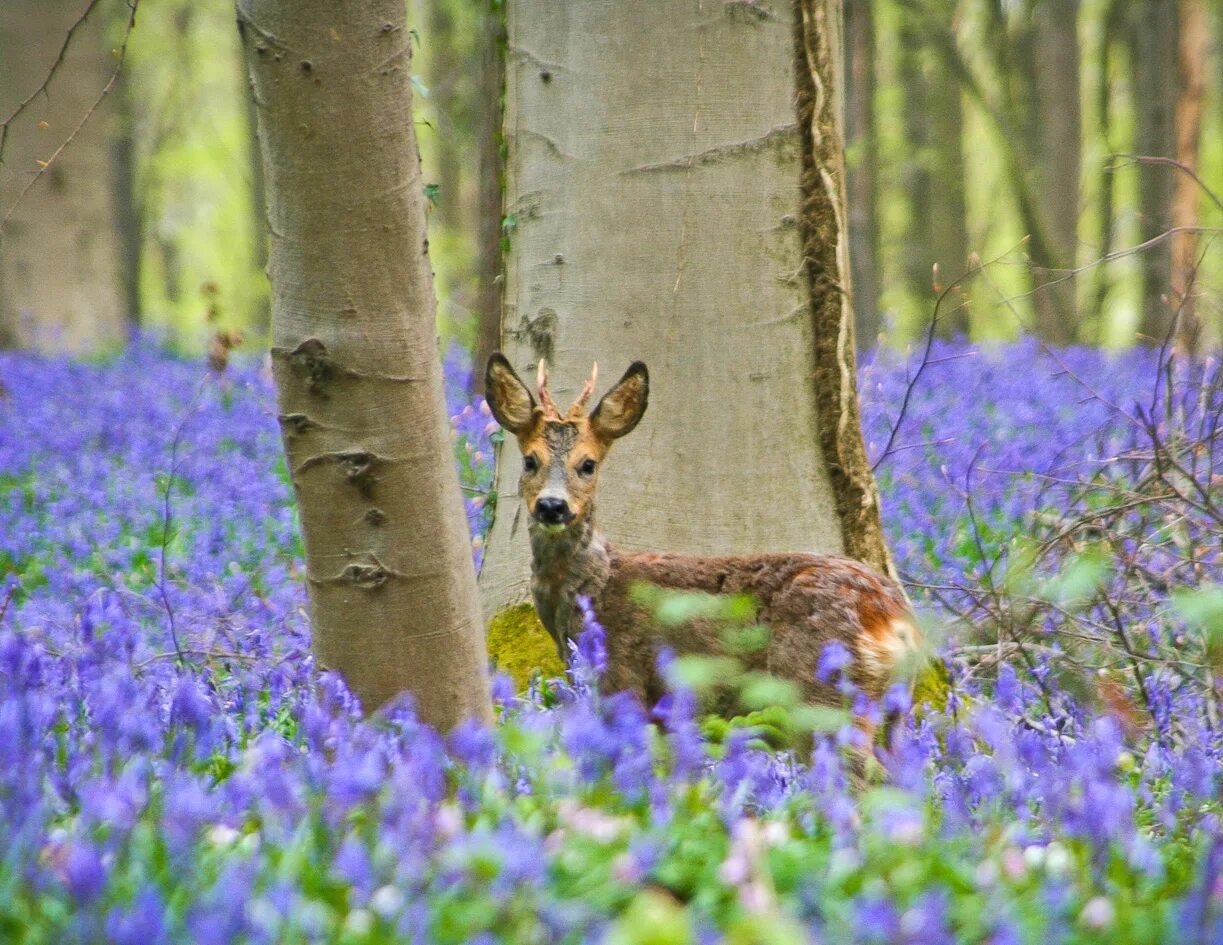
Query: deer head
[562, 454]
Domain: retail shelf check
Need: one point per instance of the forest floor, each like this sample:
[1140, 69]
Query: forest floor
[1054, 512]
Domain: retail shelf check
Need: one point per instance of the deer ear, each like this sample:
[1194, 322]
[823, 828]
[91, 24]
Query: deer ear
[508, 398]
[624, 405]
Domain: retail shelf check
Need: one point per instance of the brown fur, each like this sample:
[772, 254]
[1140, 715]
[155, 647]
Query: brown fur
[805, 600]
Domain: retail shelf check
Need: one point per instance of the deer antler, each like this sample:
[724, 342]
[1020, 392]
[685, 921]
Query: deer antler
[545, 396]
[579, 405]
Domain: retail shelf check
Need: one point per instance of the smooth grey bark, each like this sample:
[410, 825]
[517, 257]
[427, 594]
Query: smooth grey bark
[693, 218]
[60, 278]
[355, 357]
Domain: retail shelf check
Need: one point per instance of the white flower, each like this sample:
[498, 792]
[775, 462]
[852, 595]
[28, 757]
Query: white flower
[220, 835]
[1098, 913]
[359, 922]
[386, 901]
[1057, 859]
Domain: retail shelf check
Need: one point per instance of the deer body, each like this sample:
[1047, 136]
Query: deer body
[805, 600]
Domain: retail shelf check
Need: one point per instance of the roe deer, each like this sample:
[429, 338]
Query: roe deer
[805, 600]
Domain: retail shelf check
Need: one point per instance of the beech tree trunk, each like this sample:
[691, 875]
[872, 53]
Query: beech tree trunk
[691, 217]
[61, 286]
[1187, 193]
[355, 357]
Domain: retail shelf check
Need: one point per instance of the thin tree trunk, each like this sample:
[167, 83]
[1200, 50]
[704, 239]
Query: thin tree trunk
[262, 316]
[129, 215]
[488, 206]
[1153, 54]
[1112, 18]
[1187, 195]
[60, 279]
[659, 215]
[355, 356]
[1056, 126]
[444, 63]
[948, 221]
[918, 260]
[862, 143]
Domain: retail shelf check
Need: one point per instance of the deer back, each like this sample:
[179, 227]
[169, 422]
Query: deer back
[804, 600]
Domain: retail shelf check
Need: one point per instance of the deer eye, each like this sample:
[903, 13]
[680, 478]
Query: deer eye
[586, 467]
[530, 464]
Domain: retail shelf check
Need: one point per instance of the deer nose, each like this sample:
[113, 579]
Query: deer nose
[552, 511]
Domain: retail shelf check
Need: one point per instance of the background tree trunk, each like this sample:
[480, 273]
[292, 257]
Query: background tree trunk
[948, 224]
[261, 317]
[861, 144]
[1187, 193]
[488, 205]
[445, 63]
[656, 216]
[60, 279]
[938, 221]
[129, 214]
[1153, 56]
[1056, 128]
[355, 356]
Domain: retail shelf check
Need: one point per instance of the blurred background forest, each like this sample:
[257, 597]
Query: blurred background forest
[1074, 147]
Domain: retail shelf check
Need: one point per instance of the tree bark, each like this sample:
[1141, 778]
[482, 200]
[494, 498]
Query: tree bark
[261, 317]
[1112, 19]
[60, 278]
[129, 214]
[444, 65]
[355, 357]
[491, 171]
[861, 141]
[689, 217]
[934, 121]
[1056, 127]
[1153, 53]
[1187, 193]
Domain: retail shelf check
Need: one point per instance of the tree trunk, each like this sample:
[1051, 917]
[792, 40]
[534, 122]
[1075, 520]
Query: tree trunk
[488, 206]
[683, 216]
[861, 142]
[129, 215]
[60, 279]
[1153, 54]
[1187, 194]
[355, 357]
[444, 65]
[261, 317]
[947, 226]
[1056, 126]
[1112, 19]
[918, 261]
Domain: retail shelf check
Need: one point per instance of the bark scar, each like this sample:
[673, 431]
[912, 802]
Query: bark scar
[780, 133]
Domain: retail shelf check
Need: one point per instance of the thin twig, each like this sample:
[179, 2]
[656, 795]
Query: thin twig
[167, 519]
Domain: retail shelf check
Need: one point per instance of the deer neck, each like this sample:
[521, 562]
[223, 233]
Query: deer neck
[566, 565]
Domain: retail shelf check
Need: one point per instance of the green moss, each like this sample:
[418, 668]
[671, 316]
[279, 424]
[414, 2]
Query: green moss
[933, 685]
[519, 645]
